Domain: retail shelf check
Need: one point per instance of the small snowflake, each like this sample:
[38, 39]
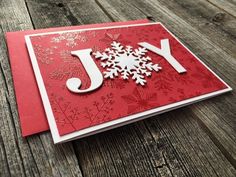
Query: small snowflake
[71, 38]
[44, 55]
[127, 62]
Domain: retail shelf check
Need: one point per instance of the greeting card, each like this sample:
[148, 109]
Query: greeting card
[29, 103]
[95, 79]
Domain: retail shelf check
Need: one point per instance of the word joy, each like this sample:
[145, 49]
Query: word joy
[126, 60]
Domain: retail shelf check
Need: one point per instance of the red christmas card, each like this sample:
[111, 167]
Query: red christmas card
[30, 107]
[95, 79]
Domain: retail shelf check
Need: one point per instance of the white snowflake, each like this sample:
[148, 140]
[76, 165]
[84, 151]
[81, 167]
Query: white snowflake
[127, 62]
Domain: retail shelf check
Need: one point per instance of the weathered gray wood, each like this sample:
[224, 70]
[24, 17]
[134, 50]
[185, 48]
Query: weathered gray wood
[226, 5]
[195, 141]
[221, 33]
[166, 145]
[216, 24]
[215, 56]
[36, 155]
[51, 13]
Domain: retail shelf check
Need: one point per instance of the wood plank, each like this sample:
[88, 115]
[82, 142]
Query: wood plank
[221, 128]
[222, 33]
[166, 145]
[226, 5]
[36, 155]
[52, 13]
[4, 167]
[216, 24]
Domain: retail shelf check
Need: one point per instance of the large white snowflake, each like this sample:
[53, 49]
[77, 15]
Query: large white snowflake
[127, 62]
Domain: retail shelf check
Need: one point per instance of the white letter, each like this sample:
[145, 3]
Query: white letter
[96, 78]
[165, 52]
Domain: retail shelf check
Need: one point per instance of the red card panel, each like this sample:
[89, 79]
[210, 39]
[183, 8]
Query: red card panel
[31, 112]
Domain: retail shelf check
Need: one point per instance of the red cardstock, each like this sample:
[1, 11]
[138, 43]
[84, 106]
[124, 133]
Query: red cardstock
[116, 98]
[30, 108]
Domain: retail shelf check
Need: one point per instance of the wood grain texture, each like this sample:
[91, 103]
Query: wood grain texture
[165, 145]
[212, 54]
[63, 13]
[197, 140]
[36, 155]
[211, 37]
[213, 22]
[226, 5]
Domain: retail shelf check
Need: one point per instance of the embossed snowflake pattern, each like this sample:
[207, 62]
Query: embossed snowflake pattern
[69, 68]
[127, 61]
[44, 55]
[139, 100]
[71, 38]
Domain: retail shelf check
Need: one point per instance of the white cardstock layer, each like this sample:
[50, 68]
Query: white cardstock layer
[75, 83]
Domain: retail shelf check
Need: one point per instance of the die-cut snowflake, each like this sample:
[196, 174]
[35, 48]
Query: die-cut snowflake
[127, 62]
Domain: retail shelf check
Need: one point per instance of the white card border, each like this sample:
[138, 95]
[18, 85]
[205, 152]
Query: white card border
[114, 123]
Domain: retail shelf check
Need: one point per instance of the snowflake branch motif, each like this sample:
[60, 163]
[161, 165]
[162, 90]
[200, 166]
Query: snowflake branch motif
[100, 111]
[67, 114]
[127, 62]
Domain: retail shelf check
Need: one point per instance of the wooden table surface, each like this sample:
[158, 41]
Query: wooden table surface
[198, 140]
